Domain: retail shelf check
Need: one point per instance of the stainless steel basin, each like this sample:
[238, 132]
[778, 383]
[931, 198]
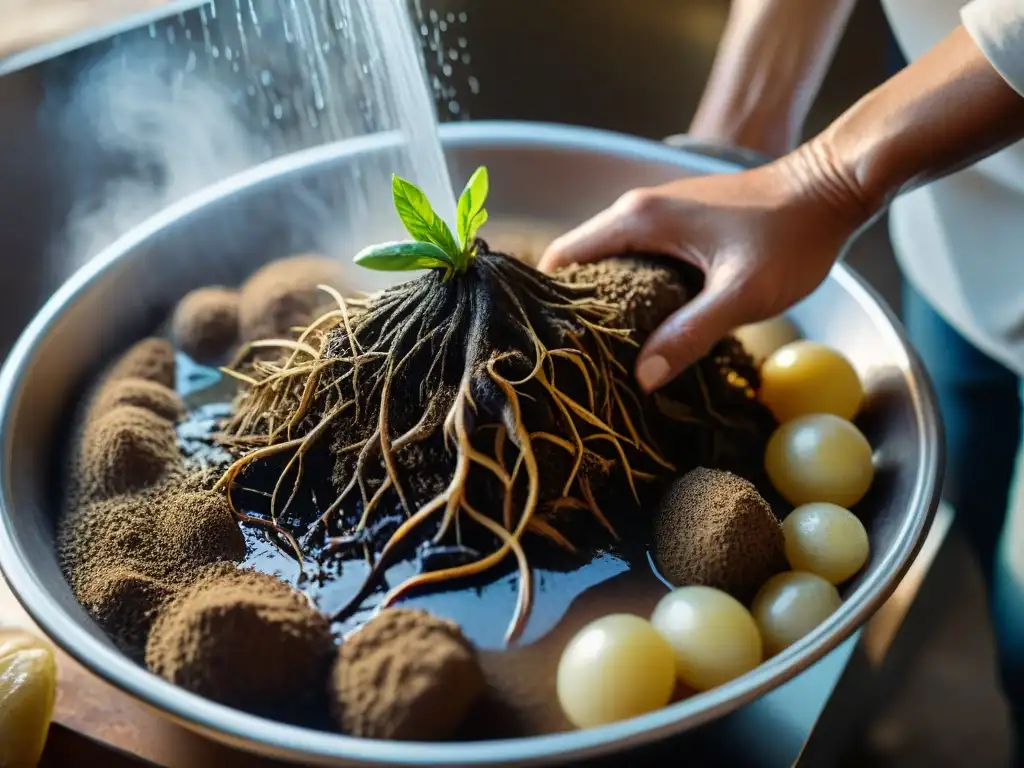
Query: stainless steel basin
[555, 175]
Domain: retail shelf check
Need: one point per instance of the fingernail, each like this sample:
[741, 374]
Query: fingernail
[652, 372]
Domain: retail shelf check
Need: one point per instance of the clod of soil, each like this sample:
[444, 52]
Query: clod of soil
[199, 528]
[151, 359]
[124, 601]
[714, 529]
[161, 400]
[405, 675]
[284, 294]
[205, 323]
[126, 449]
[646, 290]
[125, 556]
[245, 639]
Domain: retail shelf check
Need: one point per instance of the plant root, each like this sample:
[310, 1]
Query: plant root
[492, 405]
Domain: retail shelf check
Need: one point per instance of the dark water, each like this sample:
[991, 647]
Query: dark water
[483, 607]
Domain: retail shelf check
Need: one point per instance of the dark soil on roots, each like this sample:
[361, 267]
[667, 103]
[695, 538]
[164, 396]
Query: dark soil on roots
[464, 413]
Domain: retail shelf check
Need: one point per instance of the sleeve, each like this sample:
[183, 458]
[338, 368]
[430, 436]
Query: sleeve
[997, 26]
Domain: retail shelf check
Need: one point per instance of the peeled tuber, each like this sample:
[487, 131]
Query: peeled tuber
[28, 684]
[616, 667]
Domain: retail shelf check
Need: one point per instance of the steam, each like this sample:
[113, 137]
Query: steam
[141, 132]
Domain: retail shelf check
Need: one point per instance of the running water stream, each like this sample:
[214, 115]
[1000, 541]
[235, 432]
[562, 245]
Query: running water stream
[195, 98]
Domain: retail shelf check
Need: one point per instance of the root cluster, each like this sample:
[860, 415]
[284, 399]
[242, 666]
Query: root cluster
[466, 413]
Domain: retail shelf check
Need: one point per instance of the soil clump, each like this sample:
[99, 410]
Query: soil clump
[205, 323]
[405, 675]
[283, 295]
[645, 291]
[151, 359]
[141, 393]
[126, 449]
[712, 528]
[125, 556]
[245, 639]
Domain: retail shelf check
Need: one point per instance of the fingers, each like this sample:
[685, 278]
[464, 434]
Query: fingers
[628, 225]
[687, 335]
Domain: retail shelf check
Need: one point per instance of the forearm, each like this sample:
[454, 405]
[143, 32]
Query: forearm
[947, 110]
[770, 63]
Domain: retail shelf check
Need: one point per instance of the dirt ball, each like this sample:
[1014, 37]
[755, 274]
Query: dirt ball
[151, 359]
[405, 675]
[647, 290]
[284, 294]
[201, 529]
[126, 449]
[158, 541]
[124, 601]
[161, 400]
[205, 323]
[714, 529]
[245, 639]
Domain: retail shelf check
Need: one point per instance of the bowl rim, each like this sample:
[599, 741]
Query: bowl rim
[254, 733]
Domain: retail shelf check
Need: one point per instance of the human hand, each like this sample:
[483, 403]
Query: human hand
[764, 238]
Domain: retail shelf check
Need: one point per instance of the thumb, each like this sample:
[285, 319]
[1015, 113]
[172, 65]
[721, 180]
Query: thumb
[687, 336]
[625, 226]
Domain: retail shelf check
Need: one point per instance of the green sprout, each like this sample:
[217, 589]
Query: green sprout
[433, 245]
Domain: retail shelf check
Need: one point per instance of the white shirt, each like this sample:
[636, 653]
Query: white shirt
[960, 240]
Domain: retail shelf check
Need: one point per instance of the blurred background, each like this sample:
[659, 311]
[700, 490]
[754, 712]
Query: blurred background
[637, 67]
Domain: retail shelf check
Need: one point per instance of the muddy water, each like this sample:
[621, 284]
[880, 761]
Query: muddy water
[482, 610]
[521, 699]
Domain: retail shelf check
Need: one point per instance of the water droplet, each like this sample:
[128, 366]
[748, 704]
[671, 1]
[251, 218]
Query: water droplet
[463, 42]
[453, 107]
[433, 16]
[215, 52]
[424, 30]
[463, 17]
[450, 17]
[443, 26]
[453, 55]
[447, 70]
[265, 77]
[474, 85]
[432, 45]
[278, 111]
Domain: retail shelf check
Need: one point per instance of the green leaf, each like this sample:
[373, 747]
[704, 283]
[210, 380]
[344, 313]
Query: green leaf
[471, 213]
[420, 219]
[403, 256]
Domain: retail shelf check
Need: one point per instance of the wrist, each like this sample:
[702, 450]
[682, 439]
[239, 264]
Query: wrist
[944, 112]
[818, 171]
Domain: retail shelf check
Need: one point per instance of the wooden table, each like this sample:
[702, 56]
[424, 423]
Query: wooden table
[808, 721]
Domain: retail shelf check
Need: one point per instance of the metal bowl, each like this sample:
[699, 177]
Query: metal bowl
[555, 175]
